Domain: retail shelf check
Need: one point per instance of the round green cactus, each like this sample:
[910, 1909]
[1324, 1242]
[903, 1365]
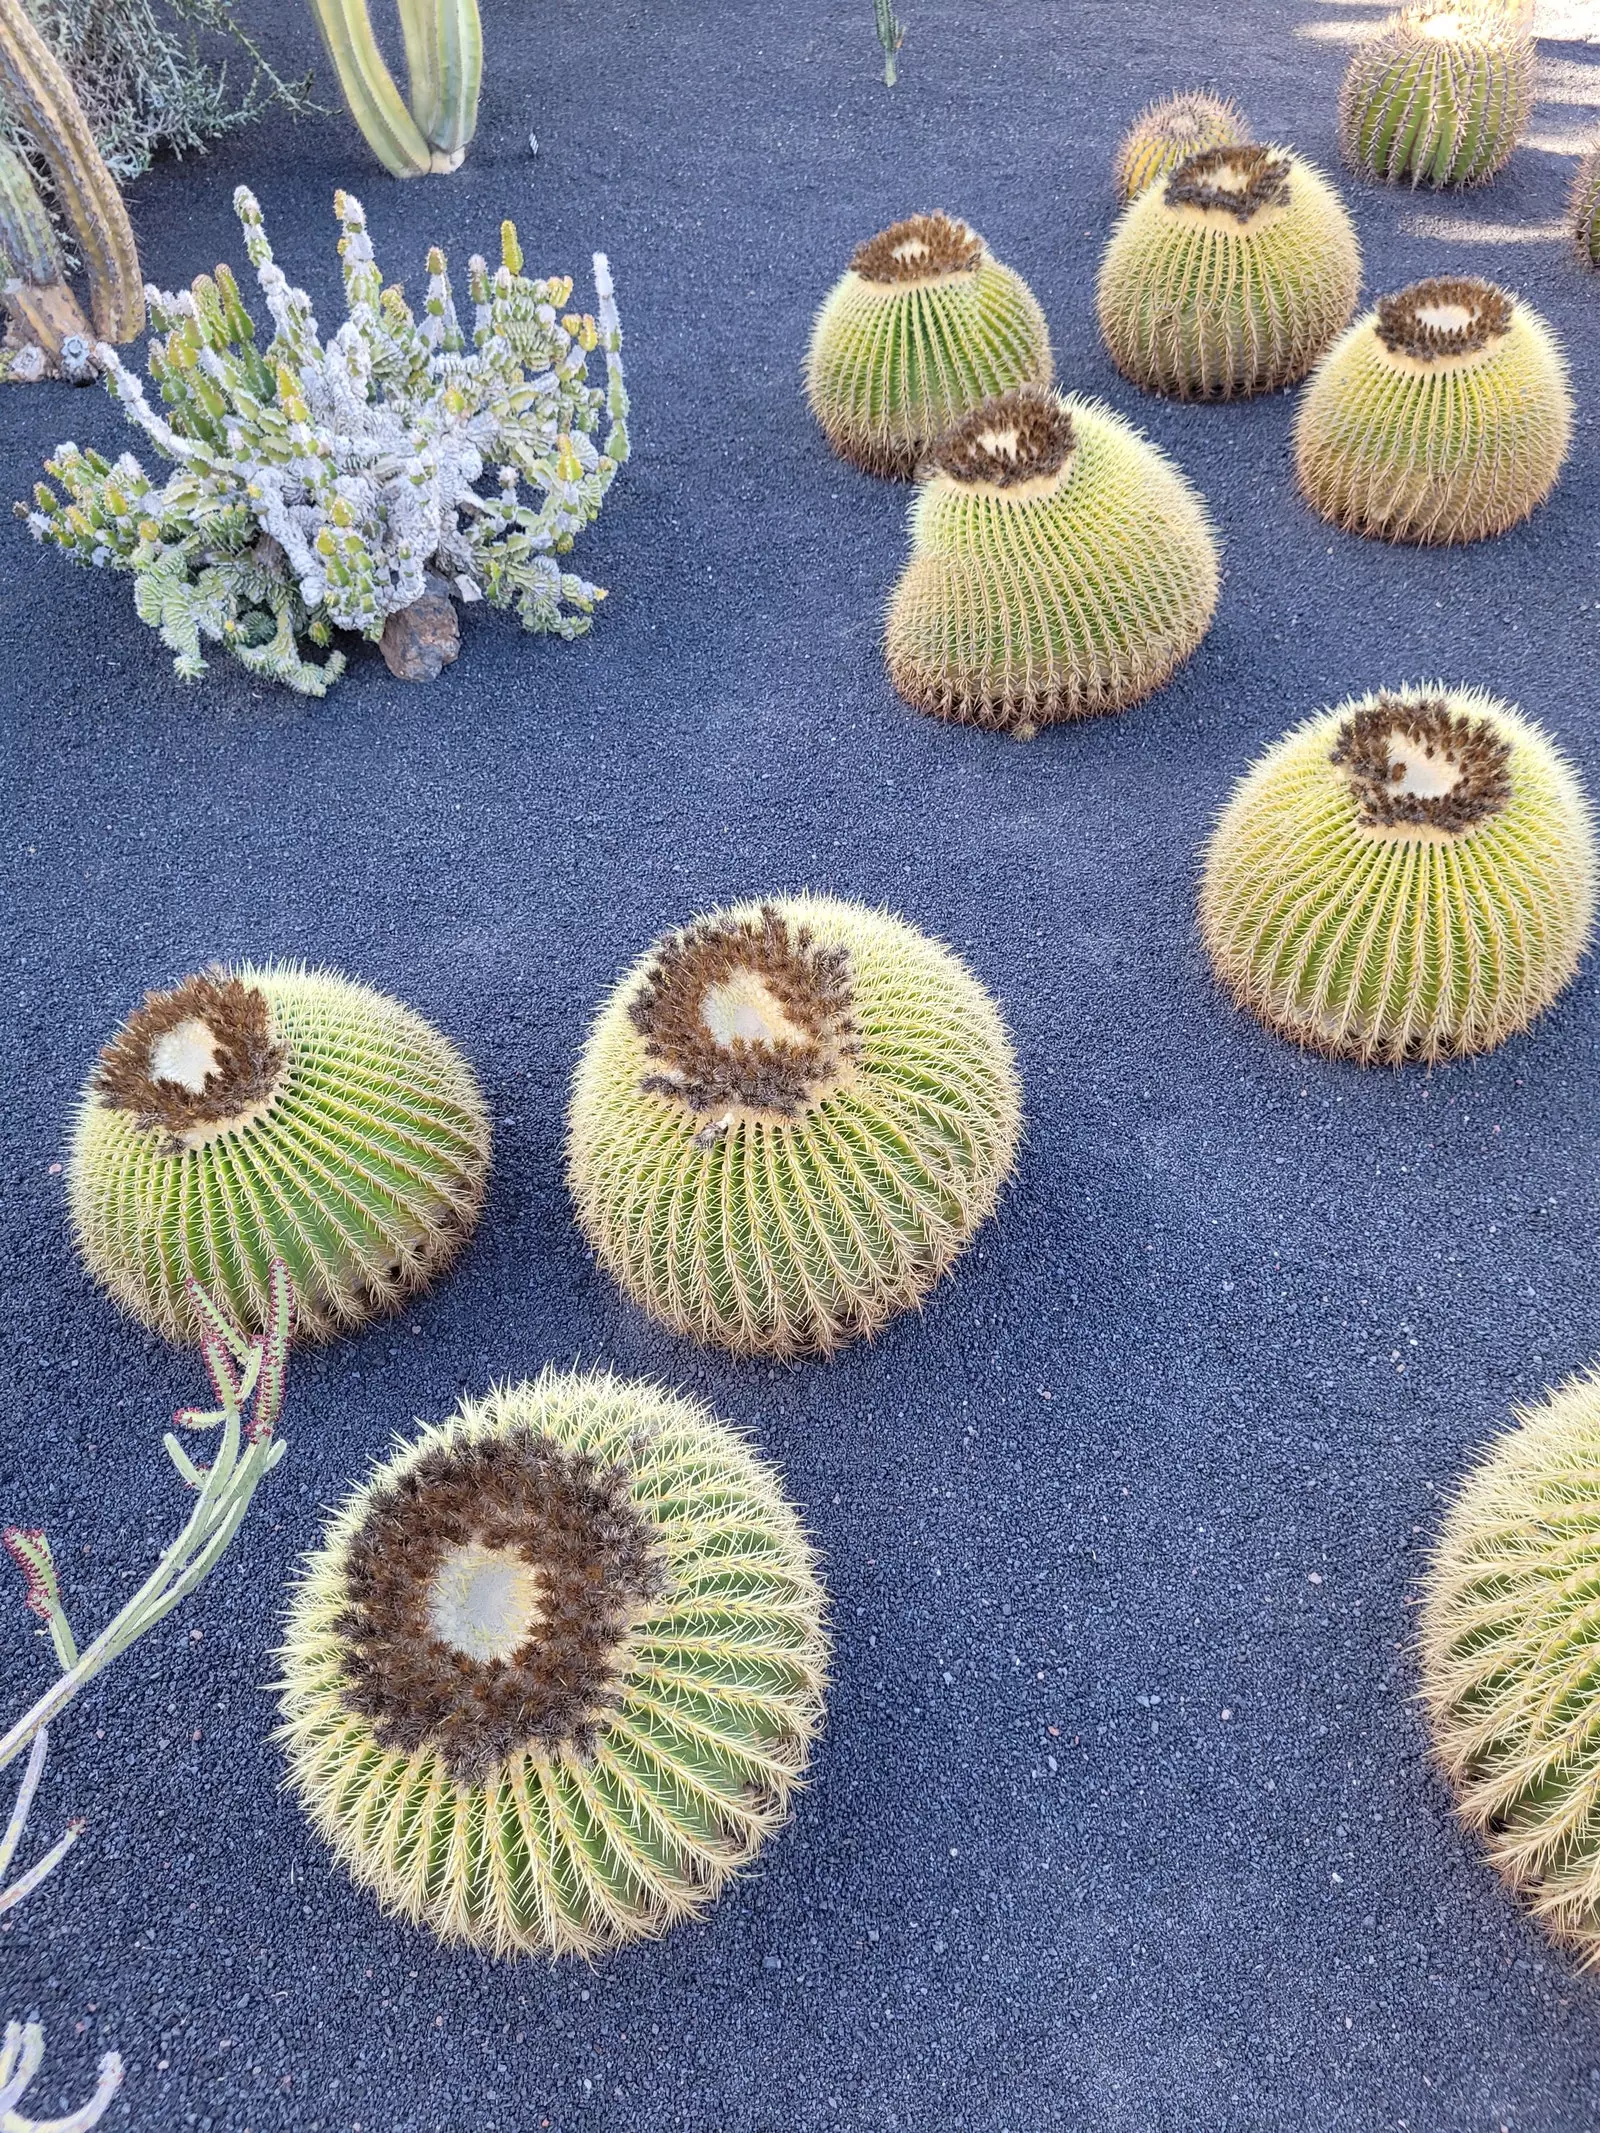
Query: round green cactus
[1511, 1663]
[1409, 876]
[1060, 566]
[787, 1123]
[1167, 133]
[280, 1113]
[924, 326]
[1229, 278]
[555, 1670]
[1439, 95]
[1443, 415]
[1583, 208]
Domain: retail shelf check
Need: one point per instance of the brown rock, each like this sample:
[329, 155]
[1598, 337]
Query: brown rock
[419, 641]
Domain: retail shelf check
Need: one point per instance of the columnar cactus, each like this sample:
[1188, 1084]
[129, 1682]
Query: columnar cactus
[925, 326]
[444, 66]
[1583, 208]
[1229, 278]
[787, 1123]
[1168, 133]
[279, 1113]
[1442, 415]
[317, 487]
[1440, 95]
[1510, 1664]
[555, 1670]
[1060, 566]
[1410, 876]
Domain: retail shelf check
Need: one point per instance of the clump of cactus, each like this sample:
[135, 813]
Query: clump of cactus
[249, 1379]
[1229, 278]
[1409, 876]
[1168, 133]
[924, 327]
[1060, 566]
[429, 128]
[555, 1670]
[1583, 208]
[253, 1115]
[787, 1123]
[1440, 95]
[333, 487]
[1443, 415]
[1510, 1665]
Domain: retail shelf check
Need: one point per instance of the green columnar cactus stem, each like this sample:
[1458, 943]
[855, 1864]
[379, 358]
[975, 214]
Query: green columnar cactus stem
[1410, 876]
[891, 35]
[1444, 415]
[278, 1113]
[924, 327]
[44, 102]
[554, 1673]
[1060, 566]
[1229, 278]
[1440, 95]
[28, 244]
[1511, 1663]
[787, 1123]
[444, 64]
[49, 335]
[1583, 208]
[1168, 133]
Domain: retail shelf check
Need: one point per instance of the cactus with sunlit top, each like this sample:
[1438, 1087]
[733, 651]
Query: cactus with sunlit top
[1439, 95]
[1169, 132]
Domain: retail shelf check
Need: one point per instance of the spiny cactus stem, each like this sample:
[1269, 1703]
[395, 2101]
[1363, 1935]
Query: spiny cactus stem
[376, 105]
[891, 35]
[444, 65]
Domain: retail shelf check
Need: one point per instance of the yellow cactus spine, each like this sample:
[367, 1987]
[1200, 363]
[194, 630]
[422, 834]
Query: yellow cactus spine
[1229, 278]
[788, 1122]
[925, 326]
[1167, 133]
[1409, 876]
[1510, 1672]
[1439, 95]
[46, 105]
[1060, 566]
[553, 1676]
[1443, 415]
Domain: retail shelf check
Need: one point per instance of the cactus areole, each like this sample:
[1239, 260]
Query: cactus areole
[922, 248]
[1024, 437]
[1231, 181]
[1443, 319]
[197, 1060]
[1418, 765]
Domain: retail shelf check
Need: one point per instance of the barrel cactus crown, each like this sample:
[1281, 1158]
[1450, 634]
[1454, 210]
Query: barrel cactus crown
[1229, 278]
[280, 1113]
[924, 326]
[1439, 95]
[1060, 566]
[1444, 415]
[1583, 208]
[554, 1672]
[1511, 1664]
[1167, 133]
[1409, 876]
[787, 1123]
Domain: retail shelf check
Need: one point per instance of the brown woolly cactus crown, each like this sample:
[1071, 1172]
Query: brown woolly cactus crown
[1231, 181]
[490, 1592]
[1447, 316]
[1418, 764]
[198, 1056]
[1025, 435]
[747, 1015]
[918, 249]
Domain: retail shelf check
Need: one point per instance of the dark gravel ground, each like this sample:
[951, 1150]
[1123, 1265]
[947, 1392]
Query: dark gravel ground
[1123, 1819]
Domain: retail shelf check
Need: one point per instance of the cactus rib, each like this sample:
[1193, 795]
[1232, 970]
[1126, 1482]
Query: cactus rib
[444, 65]
[376, 105]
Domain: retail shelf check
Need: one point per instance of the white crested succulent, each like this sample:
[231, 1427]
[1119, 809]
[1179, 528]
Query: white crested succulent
[319, 486]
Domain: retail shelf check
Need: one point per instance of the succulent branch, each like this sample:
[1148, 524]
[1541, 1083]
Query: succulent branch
[891, 35]
[444, 66]
[21, 2056]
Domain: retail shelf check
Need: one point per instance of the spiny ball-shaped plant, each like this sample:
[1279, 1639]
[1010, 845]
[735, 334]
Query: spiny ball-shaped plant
[1510, 1639]
[924, 326]
[1409, 876]
[1442, 416]
[1060, 566]
[1439, 95]
[1583, 208]
[1167, 133]
[555, 1671]
[279, 1113]
[1229, 278]
[787, 1123]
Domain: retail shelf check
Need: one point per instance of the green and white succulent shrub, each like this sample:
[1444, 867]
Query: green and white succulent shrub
[317, 487]
[1439, 95]
[553, 1675]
